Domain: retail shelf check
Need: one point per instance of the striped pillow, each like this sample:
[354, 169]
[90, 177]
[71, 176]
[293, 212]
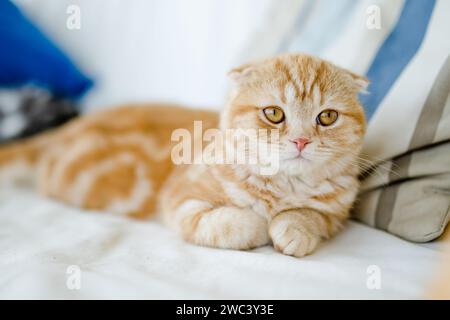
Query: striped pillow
[408, 194]
[407, 190]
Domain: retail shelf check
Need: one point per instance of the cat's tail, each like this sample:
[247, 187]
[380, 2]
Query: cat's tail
[18, 160]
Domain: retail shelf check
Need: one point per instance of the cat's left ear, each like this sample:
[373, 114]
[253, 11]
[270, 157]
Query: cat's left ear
[360, 82]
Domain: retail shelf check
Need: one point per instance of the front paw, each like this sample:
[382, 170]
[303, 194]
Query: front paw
[291, 237]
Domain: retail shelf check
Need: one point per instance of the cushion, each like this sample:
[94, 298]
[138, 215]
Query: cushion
[29, 110]
[409, 195]
[28, 56]
[406, 189]
[410, 128]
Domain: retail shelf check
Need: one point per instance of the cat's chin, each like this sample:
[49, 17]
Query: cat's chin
[296, 166]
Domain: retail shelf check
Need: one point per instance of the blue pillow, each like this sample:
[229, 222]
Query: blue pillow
[28, 57]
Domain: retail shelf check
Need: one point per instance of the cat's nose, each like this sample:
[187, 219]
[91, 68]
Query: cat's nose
[301, 143]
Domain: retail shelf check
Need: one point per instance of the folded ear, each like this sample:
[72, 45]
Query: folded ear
[241, 73]
[361, 82]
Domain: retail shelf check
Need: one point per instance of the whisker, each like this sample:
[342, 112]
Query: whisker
[367, 165]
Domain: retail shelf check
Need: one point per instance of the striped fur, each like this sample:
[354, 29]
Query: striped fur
[232, 206]
[119, 161]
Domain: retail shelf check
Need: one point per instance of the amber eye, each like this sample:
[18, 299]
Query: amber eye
[327, 117]
[274, 114]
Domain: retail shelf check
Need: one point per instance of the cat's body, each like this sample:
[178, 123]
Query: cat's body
[120, 160]
[114, 160]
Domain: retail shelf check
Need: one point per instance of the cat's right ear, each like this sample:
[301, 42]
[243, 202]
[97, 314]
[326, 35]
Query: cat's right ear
[240, 74]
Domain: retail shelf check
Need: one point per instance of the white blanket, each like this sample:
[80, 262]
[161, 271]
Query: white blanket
[122, 258]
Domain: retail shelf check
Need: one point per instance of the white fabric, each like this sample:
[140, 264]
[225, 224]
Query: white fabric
[121, 258]
[354, 47]
[152, 50]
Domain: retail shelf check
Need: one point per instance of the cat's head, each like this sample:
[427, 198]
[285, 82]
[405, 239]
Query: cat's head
[314, 105]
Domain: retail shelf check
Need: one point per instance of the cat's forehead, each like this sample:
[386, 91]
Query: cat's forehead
[301, 78]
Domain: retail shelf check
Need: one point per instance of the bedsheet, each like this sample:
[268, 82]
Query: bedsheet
[49, 250]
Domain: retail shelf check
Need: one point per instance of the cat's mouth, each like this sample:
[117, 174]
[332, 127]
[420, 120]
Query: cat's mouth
[298, 157]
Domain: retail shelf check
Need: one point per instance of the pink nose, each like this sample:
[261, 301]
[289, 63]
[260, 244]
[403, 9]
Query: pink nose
[301, 143]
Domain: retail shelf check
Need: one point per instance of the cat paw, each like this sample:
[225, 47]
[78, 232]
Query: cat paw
[291, 238]
[226, 227]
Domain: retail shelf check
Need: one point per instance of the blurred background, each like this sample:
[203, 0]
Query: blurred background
[84, 55]
[144, 50]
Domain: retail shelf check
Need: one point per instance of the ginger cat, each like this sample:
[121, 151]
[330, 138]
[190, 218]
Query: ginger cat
[119, 160]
